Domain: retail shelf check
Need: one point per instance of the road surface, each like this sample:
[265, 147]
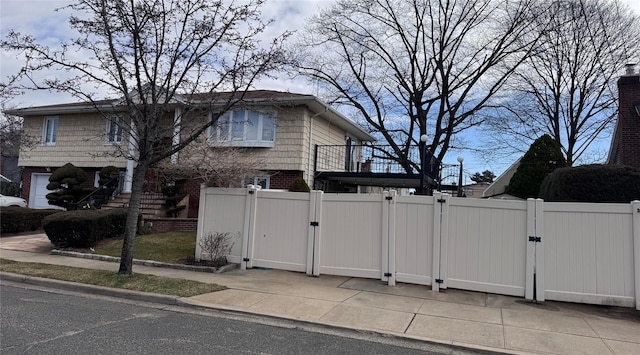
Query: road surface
[46, 321]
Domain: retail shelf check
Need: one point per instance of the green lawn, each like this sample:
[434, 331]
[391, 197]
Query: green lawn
[135, 282]
[165, 247]
[170, 247]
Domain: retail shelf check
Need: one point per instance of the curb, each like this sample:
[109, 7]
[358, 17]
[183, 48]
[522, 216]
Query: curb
[92, 289]
[214, 270]
[185, 302]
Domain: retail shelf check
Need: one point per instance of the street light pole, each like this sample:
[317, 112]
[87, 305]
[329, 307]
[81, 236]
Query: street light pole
[460, 160]
[423, 157]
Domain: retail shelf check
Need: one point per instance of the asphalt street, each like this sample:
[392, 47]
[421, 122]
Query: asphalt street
[47, 321]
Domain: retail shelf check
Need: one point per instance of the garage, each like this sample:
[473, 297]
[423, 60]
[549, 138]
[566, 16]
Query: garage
[38, 192]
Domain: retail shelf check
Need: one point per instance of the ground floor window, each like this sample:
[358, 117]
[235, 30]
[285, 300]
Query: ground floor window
[262, 181]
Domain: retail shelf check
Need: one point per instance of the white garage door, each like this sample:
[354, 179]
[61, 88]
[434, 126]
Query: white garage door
[38, 192]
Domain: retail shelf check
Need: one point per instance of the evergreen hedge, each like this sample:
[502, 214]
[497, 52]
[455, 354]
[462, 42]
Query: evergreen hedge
[592, 183]
[543, 157]
[84, 228]
[19, 219]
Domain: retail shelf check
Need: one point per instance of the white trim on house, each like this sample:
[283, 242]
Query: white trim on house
[50, 130]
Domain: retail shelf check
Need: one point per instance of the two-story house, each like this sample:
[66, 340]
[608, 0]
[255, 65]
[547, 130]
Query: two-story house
[282, 128]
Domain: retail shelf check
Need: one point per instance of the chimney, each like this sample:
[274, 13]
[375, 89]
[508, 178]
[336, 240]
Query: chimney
[630, 69]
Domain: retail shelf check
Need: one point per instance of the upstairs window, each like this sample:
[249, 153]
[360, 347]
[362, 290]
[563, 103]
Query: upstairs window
[245, 128]
[50, 131]
[114, 131]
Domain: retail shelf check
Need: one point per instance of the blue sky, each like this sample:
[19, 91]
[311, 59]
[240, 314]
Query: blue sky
[37, 17]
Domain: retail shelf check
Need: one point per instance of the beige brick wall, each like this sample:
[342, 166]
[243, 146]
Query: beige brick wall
[80, 140]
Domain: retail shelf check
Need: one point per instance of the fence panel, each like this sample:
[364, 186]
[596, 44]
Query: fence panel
[223, 211]
[589, 253]
[486, 245]
[414, 239]
[281, 230]
[351, 235]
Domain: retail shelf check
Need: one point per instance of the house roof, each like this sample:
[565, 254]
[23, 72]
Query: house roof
[499, 185]
[279, 98]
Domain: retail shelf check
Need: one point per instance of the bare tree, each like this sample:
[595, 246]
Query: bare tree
[219, 166]
[155, 57]
[415, 67]
[567, 89]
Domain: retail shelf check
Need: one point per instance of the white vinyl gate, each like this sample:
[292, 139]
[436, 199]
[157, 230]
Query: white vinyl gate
[557, 251]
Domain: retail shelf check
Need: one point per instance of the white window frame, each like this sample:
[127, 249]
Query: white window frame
[222, 132]
[113, 138]
[50, 136]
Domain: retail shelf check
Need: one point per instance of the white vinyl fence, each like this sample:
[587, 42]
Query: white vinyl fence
[577, 252]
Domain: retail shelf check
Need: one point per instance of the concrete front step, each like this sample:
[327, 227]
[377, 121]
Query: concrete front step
[152, 204]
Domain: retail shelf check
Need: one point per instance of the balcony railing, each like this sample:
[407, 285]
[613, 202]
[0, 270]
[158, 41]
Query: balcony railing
[372, 159]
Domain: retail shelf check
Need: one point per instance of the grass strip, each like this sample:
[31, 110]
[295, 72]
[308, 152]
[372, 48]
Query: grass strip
[168, 247]
[135, 282]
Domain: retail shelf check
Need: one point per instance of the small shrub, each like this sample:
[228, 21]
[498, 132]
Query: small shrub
[299, 185]
[18, 219]
[107, 176]
[217, 246]
[84, 228]
[173, 192]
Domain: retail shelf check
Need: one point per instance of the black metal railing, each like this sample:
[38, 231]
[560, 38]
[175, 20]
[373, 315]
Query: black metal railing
[372, 159]
[102, 194]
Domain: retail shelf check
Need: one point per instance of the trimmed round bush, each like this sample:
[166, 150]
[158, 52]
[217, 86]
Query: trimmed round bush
[592, 183]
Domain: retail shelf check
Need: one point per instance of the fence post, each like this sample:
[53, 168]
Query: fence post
[539, 264]
[389, 237]
[313, 238]
[201, 219]
[529, 285]
[248, 232]
[635, 215]
[534, 267]
[440, 220]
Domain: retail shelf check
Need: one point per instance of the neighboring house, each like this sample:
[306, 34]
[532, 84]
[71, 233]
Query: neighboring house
[282, 128]
[625, 145]
[498, 187]
[475, 190]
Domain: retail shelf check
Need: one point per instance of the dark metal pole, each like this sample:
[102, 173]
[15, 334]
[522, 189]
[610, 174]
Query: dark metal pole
[423, 156]
[460, 179]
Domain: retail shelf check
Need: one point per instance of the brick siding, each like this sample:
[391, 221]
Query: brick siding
[161, 225]
[628, 129]
[284, 179]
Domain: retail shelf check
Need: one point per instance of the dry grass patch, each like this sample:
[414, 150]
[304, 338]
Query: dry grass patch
[135, 282]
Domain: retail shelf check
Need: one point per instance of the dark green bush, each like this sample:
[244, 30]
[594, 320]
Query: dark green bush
[108, 174]
[66, 184]
[18, 219]
[544, 156]
[84, 228]
[592, 183]
[299, 185]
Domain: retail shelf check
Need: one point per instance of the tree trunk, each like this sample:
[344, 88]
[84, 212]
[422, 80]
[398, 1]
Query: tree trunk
[126, 258]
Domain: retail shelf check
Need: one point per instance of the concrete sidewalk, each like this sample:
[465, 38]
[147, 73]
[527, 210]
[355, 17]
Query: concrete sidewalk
[469, 319]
